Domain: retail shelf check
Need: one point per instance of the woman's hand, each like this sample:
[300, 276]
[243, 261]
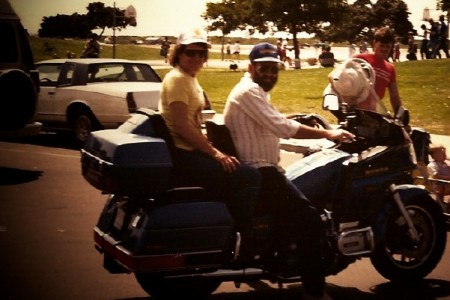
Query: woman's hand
[227, 162]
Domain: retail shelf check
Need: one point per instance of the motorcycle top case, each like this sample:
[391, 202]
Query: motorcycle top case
[117, 162]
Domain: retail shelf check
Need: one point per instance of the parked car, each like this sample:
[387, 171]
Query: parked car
[83, 95]
[18, 78]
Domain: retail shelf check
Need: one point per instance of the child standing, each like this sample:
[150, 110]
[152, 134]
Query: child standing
[439, 168]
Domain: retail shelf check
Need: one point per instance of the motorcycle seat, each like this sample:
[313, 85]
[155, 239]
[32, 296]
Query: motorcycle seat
[220, 137]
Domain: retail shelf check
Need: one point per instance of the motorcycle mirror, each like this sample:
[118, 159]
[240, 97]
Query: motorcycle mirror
[330, 102]
[402, 115]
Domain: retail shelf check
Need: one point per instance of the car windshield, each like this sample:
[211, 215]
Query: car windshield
[122, 72]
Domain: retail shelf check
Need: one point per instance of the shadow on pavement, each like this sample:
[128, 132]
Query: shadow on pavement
[11, 176]
[293, 291]
[427, 289]
[47, 139]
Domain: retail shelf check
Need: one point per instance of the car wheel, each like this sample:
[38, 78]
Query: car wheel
[83, 124]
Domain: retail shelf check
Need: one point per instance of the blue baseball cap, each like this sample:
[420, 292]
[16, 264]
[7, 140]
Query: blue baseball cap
[264, 52]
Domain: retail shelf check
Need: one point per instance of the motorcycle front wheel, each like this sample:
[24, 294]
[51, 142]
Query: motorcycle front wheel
[397, 256]
[160, 288]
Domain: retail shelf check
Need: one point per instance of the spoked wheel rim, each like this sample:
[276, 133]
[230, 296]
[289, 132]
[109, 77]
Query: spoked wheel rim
[83, 128]
[400, 246]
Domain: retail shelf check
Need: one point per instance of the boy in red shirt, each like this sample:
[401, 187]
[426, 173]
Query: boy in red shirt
[385, 72]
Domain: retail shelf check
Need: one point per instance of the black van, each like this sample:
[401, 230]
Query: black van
[19, 80]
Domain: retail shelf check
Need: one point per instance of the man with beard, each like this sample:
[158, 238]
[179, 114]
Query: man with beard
[256, 128]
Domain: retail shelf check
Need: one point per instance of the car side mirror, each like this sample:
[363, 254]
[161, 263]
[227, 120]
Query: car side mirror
[330, 102]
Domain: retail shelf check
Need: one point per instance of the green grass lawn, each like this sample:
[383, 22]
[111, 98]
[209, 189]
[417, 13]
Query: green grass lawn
[424, 85]
[424, 88]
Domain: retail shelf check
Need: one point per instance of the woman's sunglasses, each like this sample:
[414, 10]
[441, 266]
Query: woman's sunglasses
[194, 52]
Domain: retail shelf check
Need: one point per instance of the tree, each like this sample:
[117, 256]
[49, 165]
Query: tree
[297, 16]
[64, 26]
[226, 16]
[81, 26]
[287, 15]
[362, 18]
[355, 23]
[443, 5]
[393, 13]
[101, 17]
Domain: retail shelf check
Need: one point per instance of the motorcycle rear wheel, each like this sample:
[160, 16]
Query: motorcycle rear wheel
[397, 257]
[160, 288]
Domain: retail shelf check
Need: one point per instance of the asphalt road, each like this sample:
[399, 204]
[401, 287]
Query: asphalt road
[48, 211]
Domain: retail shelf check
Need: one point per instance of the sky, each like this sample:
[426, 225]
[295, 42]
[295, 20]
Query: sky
[155, 17]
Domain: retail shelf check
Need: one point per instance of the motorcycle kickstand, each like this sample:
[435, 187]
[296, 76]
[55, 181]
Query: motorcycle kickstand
[412, 230]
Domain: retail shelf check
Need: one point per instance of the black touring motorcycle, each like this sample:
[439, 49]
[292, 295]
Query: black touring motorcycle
[180, 243]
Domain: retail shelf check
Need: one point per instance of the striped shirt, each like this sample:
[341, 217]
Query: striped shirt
[255, 125]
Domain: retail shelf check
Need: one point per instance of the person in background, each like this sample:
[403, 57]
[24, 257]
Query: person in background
[434, 38]
[165, 46]
[197, 162]
[443, 36]
[351, 49]
[425, 46]
[92, 48]
[228, 51]
[281, 51]
[439, 168]
[363, 47]
[326, 58]
[256, 128]
[397, 50]
[386, 77]
[285, 49]
[237, 51]
[412, 47]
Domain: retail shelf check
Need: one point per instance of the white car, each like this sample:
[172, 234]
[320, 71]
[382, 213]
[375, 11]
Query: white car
[84, 95]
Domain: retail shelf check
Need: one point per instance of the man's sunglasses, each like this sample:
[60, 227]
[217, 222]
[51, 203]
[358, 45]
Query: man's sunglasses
[194, 52]
[267, 69]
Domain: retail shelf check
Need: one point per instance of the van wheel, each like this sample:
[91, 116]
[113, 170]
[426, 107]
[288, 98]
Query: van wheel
[19, 99]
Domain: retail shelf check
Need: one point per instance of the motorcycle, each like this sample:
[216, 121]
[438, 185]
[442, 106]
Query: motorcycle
[179, 242]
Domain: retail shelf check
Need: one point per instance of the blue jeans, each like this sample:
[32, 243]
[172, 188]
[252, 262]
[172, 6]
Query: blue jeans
[238, 189]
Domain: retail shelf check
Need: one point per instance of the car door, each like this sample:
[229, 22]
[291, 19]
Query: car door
[48, 79]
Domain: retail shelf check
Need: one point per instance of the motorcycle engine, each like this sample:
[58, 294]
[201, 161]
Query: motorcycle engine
[354, 242]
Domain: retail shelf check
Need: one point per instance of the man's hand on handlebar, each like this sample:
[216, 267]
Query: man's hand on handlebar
[340, 136]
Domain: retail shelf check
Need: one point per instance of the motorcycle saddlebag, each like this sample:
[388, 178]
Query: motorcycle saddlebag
[123, 163]
[180, 227]
[189, 233]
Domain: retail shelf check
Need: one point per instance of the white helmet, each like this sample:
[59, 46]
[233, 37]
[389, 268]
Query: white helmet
[353, 80]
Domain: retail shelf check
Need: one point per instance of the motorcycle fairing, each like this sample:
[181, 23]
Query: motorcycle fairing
[317, 175]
